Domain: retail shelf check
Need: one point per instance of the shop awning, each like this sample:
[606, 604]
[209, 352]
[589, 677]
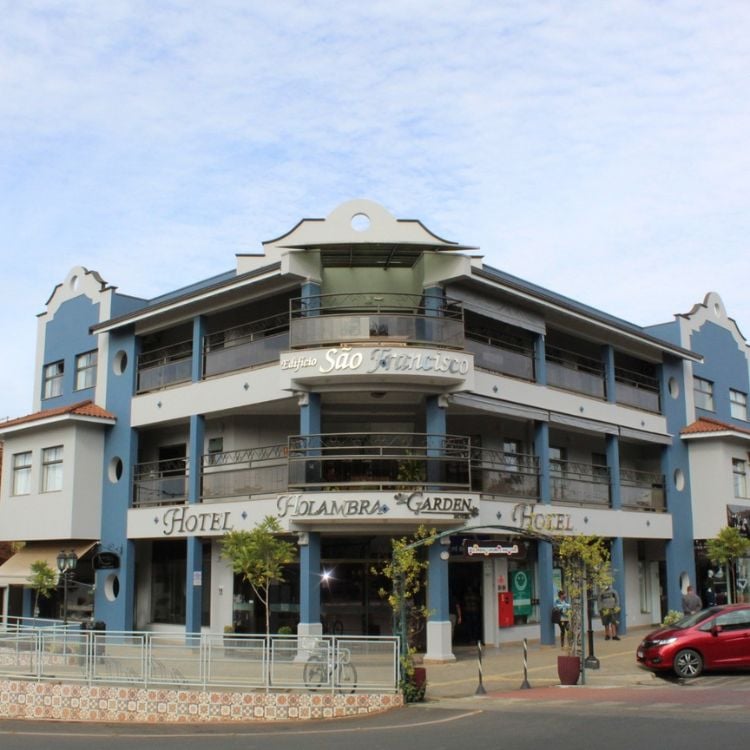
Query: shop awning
[17, 570]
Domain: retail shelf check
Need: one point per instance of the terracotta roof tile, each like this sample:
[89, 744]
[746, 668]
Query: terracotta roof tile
[82, 409]
[706, 424]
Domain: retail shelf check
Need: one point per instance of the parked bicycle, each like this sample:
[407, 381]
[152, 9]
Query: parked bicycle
[326, 669]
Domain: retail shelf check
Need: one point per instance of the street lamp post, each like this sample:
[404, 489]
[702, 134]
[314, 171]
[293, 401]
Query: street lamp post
[66, 564]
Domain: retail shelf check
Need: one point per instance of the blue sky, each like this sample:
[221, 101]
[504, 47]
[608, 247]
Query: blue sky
[596, 148]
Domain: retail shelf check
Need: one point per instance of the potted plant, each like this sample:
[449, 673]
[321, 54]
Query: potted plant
[585, 564]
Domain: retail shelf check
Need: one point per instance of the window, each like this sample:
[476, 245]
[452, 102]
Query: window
[52, 469]
[86, 370]
[739, 470]
[511, 450]
[53, 379]
[738, 404]
[22, 473]
[215, 446]
[704, 394]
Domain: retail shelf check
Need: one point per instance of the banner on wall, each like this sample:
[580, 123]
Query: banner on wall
[520, 583]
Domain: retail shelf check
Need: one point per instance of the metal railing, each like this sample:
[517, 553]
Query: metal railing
[498, 472]
[206, 661]
[637, 389]
[575, 483]
[253, 471]
[330, 319]
[169, 365]
[379, 461]
[642, 490]
[249, 345]
[160, 482]
[574, 371]
[496, 355]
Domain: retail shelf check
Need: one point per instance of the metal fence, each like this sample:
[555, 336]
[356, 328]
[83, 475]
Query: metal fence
[207, 661]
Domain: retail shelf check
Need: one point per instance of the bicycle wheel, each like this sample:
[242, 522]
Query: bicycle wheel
[347, 677]
[315, 672]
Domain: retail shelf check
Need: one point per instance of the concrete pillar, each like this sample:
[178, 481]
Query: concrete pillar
[309, 581]
[439, 636]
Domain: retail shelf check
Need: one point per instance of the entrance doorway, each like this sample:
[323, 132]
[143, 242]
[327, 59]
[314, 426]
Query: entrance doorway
[465, 587]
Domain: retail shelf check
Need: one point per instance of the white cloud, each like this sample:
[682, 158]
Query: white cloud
[595, 148]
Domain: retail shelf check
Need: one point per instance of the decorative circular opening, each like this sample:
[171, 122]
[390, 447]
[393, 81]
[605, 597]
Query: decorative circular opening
[120, 362]
[674, 387]
[679, 480]
[360, 222]
[111, 587]
[115, 469]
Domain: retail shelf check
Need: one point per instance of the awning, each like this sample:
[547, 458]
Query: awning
[17, 570]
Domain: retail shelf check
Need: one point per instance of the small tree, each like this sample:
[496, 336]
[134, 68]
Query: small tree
[725, 549]
[259, 555]
[585, 564]
[43, 580]
[405, 571]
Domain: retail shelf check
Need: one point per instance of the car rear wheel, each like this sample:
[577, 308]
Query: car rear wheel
[688, 663]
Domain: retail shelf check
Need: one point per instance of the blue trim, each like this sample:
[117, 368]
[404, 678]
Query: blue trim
[608, 359]
[541, 449]
[618, 571]
[199, 331]
[437, 584]
[613, 462]
[540, 360]
[195, 451]
[547, 592]
[193, 593]
[309, 580]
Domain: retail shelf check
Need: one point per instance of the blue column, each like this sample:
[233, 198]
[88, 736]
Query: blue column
[194, 557]
[199, 330]
[436, 426]
[547, 592]
[309, 579]
[541, 450]
[309, 426]
[608, 359]
[613, 464]
[618, 570]
[540, 360]
[437, 583]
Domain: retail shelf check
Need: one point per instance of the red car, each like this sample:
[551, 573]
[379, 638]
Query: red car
[714, 638]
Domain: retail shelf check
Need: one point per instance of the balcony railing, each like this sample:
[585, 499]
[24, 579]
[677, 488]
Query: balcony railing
[575, 372]
[160, 483]
[642, 490]
[169, 365]
[330, 319]
[248, 345]
[379, 461]
[579, 484]
[244, 473]
[500, 473]
[636, 389]
[500, 356]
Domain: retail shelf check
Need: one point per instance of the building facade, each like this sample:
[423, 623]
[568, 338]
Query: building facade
[357, 379]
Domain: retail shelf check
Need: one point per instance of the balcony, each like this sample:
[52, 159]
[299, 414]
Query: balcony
[637, 390]
[573, 371]
[169, 365]
[642, 490]
[244, 473]
[574, 483]
[160, 483]
[244, 346]
[500, 356]
[379, 461]
[499, 473]
[332, 319]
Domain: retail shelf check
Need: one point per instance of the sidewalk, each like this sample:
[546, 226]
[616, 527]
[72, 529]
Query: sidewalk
[502, 668]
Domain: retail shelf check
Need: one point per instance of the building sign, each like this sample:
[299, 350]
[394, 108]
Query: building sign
[525, 517]
[521, 586]
[186, 521]
[417, 503]
[488, 550]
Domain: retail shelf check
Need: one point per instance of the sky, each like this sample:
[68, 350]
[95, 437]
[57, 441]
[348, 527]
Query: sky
[599, 149]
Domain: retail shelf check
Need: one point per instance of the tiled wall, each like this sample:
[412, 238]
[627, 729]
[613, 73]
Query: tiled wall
[72, 702]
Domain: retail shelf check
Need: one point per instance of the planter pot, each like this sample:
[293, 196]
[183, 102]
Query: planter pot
[568, 669]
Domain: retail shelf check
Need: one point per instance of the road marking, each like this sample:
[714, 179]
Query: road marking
[206, 730]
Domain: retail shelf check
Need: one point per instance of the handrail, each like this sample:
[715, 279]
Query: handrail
[376, 302]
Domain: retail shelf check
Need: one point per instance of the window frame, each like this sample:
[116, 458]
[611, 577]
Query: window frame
[740, 404]
[86, 371]
[23, 470]
[52, 469]
[703, 397]
[739, 477]
[52, 382]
